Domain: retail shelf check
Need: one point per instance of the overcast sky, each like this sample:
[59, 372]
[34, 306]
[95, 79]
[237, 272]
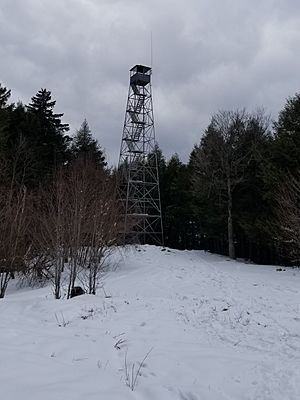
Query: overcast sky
[207, 55]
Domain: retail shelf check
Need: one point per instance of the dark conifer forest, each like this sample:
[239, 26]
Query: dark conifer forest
[238, 194]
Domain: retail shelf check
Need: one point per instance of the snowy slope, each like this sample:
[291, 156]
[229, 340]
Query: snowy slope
[215, 329]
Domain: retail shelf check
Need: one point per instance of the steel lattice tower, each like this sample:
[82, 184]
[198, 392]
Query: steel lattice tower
[138, 170]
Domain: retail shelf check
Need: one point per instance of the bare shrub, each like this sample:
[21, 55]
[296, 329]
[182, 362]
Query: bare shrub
[76, 224]
[93, 222]
[48, 231]
[13, 222]
[287, 224]
[12, 234]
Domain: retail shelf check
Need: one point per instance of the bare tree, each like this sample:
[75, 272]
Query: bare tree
[287, 223]
[104, 226]
[75, 225]
[13, 216]
[47, 231]
[93, 227]
[13, 229]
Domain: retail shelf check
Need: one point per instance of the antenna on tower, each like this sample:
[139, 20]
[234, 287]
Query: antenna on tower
[138, 183]
[151, 50]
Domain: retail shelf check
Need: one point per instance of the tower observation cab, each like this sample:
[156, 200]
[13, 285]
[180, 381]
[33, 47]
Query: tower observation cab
[138, 185]
[140, 75]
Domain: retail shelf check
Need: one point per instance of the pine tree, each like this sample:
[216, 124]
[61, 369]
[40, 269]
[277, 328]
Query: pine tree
[47, 134]
[5, 117]
[42, 107]
[282, 179]
[4, 96]
[286, 149]
[86, 147]
[176, 205]
[252, 211]
[221, 173]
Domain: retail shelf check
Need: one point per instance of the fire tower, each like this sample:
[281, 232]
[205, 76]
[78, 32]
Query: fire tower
[138, 171]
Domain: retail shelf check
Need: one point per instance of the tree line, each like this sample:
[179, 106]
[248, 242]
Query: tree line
[58, 212]
[238, 195]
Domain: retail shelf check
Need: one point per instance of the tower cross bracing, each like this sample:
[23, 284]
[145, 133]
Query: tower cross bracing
[138, 170]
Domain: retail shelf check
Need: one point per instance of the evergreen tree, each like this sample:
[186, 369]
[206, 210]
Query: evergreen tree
[286, 148]
[252, 211]
[4, 96]
[86, 147]
[18, 149]
[42, 107]
[176, 205]
[281, 178]
[4, 114]
[221, 173]
[47, 134]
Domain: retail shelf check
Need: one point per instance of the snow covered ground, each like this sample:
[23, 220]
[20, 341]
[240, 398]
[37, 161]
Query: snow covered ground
[215, 329]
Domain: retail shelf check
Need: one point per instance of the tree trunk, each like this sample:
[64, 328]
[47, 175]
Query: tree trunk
[231, 250]
[4, 279]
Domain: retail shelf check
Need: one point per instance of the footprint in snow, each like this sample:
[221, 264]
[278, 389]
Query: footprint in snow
[187, 396]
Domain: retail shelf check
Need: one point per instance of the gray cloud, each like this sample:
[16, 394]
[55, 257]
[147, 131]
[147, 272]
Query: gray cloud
[207, 55]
